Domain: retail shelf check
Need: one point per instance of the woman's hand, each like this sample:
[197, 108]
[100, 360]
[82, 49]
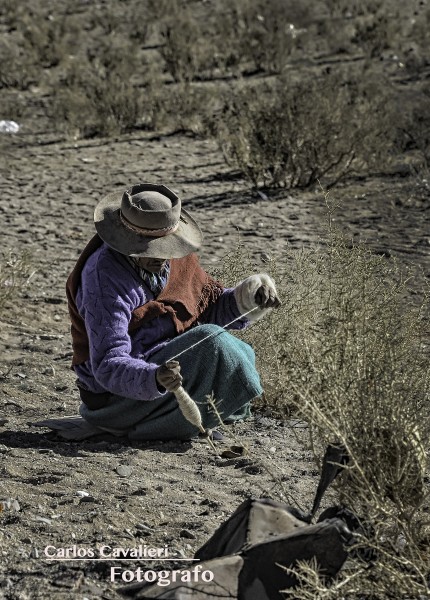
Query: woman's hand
[169, 376]
[266, 297]
[256, 291]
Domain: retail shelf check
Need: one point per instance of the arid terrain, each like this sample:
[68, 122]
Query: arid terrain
[170, 493]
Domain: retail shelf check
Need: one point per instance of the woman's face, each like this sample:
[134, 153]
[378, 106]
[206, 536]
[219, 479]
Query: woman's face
[153, 265]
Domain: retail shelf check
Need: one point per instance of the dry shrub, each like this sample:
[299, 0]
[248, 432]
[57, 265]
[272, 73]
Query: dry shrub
[181, 50]
[132, 21]
[9, 11]
[15, 273]
[103, 96]
[192, 46]
[102, 107]
[180, 108]
[107, 18]
[156, 10]
[348, 352]
[377, 33]
[292, 134]
[353, 8]
[416, 49]
[335, 38]
[373, 27]
[414, 131]
[37, 40]
[231, 36]
[98, 96]
[45, 38]
[266, 32]
[16, 68]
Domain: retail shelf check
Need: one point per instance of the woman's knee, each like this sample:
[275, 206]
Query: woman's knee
[213, 333]
[223, 341]
[207, 329]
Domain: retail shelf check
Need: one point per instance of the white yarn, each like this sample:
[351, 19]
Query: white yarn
[191, 412]
[245, 291]
[189, 408]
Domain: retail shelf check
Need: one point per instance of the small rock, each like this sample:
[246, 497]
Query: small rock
[34, 553]
[262, 195]
[242, 463]
[143, 527]
[139, 492]
[233, 452]
[185, 533]
[43, 520]
[124, 470]
[64, 501]
[61, 387]
[159, 488]
[253, 470]
[129, 533]
[82, 494]
[3, 422]
[272, 449]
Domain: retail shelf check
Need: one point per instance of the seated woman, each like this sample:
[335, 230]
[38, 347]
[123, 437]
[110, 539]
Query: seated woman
[138, 297]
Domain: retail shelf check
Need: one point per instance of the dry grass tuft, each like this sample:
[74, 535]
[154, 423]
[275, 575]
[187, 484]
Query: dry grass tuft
[15, 274]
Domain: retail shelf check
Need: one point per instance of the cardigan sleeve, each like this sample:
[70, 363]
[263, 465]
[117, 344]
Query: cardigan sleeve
[223, 311]
[106, 321]
[106, 298]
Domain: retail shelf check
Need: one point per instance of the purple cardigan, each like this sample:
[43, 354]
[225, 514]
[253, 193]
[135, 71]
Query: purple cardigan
[119, 361]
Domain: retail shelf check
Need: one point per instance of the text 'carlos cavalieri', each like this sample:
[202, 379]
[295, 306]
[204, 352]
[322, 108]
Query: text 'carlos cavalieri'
[106, 552]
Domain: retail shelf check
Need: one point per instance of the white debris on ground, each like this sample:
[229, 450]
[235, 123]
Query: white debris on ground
[9, 127]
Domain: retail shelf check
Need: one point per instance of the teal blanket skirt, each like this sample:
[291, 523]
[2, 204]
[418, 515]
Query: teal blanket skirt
[222, 365]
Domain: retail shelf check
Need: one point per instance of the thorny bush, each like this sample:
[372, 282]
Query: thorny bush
[293, 134]
[348, 352]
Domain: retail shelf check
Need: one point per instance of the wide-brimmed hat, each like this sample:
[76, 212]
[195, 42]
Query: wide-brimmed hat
[147, 220]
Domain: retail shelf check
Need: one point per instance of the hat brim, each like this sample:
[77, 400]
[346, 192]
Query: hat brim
[185, 240]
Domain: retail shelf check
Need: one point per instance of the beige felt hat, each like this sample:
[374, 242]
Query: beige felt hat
[147, 220]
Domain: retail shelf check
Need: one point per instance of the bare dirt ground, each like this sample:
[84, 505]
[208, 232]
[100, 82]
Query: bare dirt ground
[170, 493]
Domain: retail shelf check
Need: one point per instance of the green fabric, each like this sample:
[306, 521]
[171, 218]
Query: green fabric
[222, 364]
